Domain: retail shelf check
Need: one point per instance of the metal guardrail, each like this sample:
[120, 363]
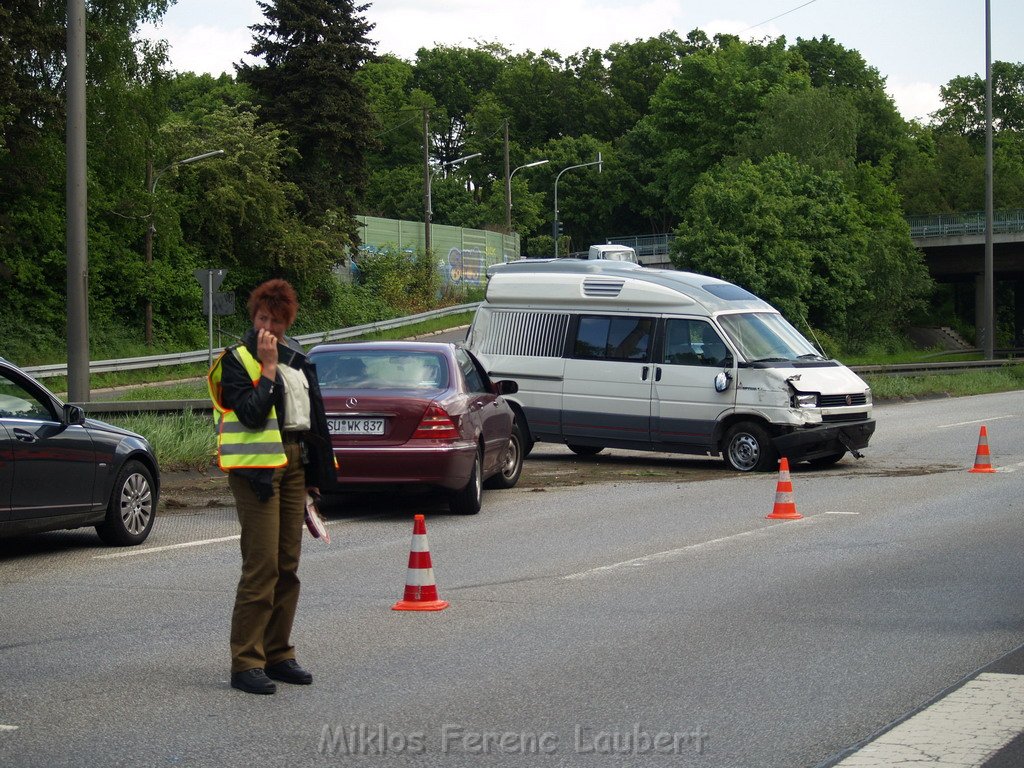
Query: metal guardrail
[968, 223]
[204, 406]
[202, 355]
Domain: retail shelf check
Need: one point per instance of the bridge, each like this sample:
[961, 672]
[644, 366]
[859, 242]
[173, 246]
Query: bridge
[954, 250]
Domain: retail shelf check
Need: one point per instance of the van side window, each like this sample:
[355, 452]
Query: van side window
[613, 338]
[694, 342]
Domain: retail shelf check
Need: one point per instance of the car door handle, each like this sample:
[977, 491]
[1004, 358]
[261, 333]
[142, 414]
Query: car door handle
[643, 375]
[24, 436]
[657, 373]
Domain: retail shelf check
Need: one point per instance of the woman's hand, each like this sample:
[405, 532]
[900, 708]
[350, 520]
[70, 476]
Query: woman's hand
[266, 351]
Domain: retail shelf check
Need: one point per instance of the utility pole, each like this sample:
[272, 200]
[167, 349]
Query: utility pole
[508, 187]
[990, 313]
[150, 229]
[76, 196]
[426, 182]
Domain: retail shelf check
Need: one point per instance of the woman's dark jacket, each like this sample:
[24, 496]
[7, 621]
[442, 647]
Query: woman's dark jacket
[252, 406]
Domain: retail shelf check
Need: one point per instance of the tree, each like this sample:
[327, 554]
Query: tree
[312, 51]
[805, 243]
[963, 109]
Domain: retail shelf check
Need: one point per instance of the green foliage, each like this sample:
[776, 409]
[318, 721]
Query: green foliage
[407, 283]
[804, 242]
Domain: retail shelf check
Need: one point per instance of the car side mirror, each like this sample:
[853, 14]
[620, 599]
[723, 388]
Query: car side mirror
[73, 414]
[722, 381]
[506, 387]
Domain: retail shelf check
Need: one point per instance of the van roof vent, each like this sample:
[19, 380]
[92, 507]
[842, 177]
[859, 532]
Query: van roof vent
[607, 287]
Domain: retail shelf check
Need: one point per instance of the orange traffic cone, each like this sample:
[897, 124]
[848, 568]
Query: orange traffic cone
[420, 590]
[785, 507]
[982, 462]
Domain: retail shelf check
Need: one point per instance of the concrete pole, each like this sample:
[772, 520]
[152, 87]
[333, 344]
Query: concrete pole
[426, 183]
[990, 314]
[77, 219]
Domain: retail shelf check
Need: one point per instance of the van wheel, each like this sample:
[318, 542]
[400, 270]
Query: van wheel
[511, 462]
[827, 461]
[585, 450]
[466, 501]
[748, 448]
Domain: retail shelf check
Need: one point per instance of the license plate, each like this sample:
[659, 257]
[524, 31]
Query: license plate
[355, 426]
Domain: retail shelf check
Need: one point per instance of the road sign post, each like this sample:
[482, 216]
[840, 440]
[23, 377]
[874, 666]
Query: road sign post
[210, 280]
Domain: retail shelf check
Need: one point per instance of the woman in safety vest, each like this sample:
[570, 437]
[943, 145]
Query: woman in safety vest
[274, 445]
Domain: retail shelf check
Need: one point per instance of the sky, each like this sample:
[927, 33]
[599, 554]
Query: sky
[917, 45]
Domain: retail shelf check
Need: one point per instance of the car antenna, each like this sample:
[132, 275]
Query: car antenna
[817, 343]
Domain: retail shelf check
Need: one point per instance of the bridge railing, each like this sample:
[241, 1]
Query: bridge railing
[969, 223]
[645, 245]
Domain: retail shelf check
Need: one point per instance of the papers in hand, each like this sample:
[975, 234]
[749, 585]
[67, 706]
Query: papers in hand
[314, 522]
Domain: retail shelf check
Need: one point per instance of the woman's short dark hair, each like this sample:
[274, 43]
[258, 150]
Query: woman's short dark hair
[278, 298]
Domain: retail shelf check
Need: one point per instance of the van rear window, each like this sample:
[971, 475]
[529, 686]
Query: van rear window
[729, 292]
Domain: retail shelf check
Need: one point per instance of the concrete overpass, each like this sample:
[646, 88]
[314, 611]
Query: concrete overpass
[954, 250]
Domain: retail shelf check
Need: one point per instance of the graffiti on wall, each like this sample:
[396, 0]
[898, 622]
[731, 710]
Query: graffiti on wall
[466, 267]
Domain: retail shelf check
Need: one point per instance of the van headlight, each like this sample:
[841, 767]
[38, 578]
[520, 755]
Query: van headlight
[801, 400]
[867, 396]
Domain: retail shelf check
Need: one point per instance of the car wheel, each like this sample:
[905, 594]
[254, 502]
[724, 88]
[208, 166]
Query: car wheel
[585, 450]
[467, 500]
[827, 461]
[131, 508]
[748, 448]
[511, 462]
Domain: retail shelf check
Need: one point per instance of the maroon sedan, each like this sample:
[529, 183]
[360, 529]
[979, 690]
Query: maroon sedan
[412, 413]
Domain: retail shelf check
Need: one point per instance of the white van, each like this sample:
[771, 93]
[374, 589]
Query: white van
[613, 354]
[612, 253]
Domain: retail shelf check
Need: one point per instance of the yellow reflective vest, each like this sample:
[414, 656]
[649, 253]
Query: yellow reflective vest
[237, 445]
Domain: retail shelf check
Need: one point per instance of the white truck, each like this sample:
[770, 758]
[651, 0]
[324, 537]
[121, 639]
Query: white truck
[612, 253]
[611, 354]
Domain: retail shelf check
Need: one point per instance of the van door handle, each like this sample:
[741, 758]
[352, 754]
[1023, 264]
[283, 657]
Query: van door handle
[657, 373]
[643, 376]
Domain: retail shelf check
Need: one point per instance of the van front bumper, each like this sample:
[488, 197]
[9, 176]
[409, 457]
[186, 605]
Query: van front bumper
[824, 440]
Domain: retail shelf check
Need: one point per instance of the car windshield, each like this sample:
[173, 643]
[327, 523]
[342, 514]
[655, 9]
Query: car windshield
[381, 369]
[766, 337]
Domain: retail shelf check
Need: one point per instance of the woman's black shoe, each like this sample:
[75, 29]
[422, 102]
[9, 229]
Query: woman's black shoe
[289, 671]
[253, 681]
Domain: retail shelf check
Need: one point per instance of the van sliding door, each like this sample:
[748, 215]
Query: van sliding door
[606, 391]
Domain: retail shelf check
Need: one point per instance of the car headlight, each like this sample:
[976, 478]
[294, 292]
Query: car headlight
[867, 396]
[801, 400]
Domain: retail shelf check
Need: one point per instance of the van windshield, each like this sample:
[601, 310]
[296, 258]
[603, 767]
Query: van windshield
[767, 337]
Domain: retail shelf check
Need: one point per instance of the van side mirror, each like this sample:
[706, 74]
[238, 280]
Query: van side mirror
[722, 380]
[506, 387]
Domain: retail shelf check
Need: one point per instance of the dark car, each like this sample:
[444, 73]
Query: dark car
[59, 469]
[412, 414]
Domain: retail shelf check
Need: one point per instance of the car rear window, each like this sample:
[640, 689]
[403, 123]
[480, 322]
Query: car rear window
[378, 369]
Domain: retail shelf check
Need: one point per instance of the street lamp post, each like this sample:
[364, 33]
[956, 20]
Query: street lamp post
[554, 226]
[430, 201]
[151, 181]
[508, 191]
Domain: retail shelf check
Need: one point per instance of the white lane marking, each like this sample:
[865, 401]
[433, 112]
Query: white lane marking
[656, 557]
[962, 729]
[167, 548]
[976, 421]
[8, 728]
[204, 542]
[842, 513]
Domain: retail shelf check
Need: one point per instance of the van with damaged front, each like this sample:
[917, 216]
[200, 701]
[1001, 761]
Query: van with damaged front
[610, 354]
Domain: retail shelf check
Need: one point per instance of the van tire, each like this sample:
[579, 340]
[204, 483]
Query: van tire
[748, 448]
[585, 450]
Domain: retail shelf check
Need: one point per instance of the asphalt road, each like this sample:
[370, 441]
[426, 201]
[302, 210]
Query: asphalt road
[617, 624]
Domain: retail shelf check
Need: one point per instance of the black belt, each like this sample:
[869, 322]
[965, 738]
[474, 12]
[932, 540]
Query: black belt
[293, 437]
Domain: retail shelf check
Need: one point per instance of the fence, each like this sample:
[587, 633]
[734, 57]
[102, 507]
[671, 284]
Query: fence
[465, 253]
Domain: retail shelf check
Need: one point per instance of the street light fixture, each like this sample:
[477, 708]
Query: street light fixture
[151, 180]
[430, 201]
[554, 226]
[508, 191]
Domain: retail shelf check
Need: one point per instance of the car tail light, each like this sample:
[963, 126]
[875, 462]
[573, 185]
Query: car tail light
[436, 424]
